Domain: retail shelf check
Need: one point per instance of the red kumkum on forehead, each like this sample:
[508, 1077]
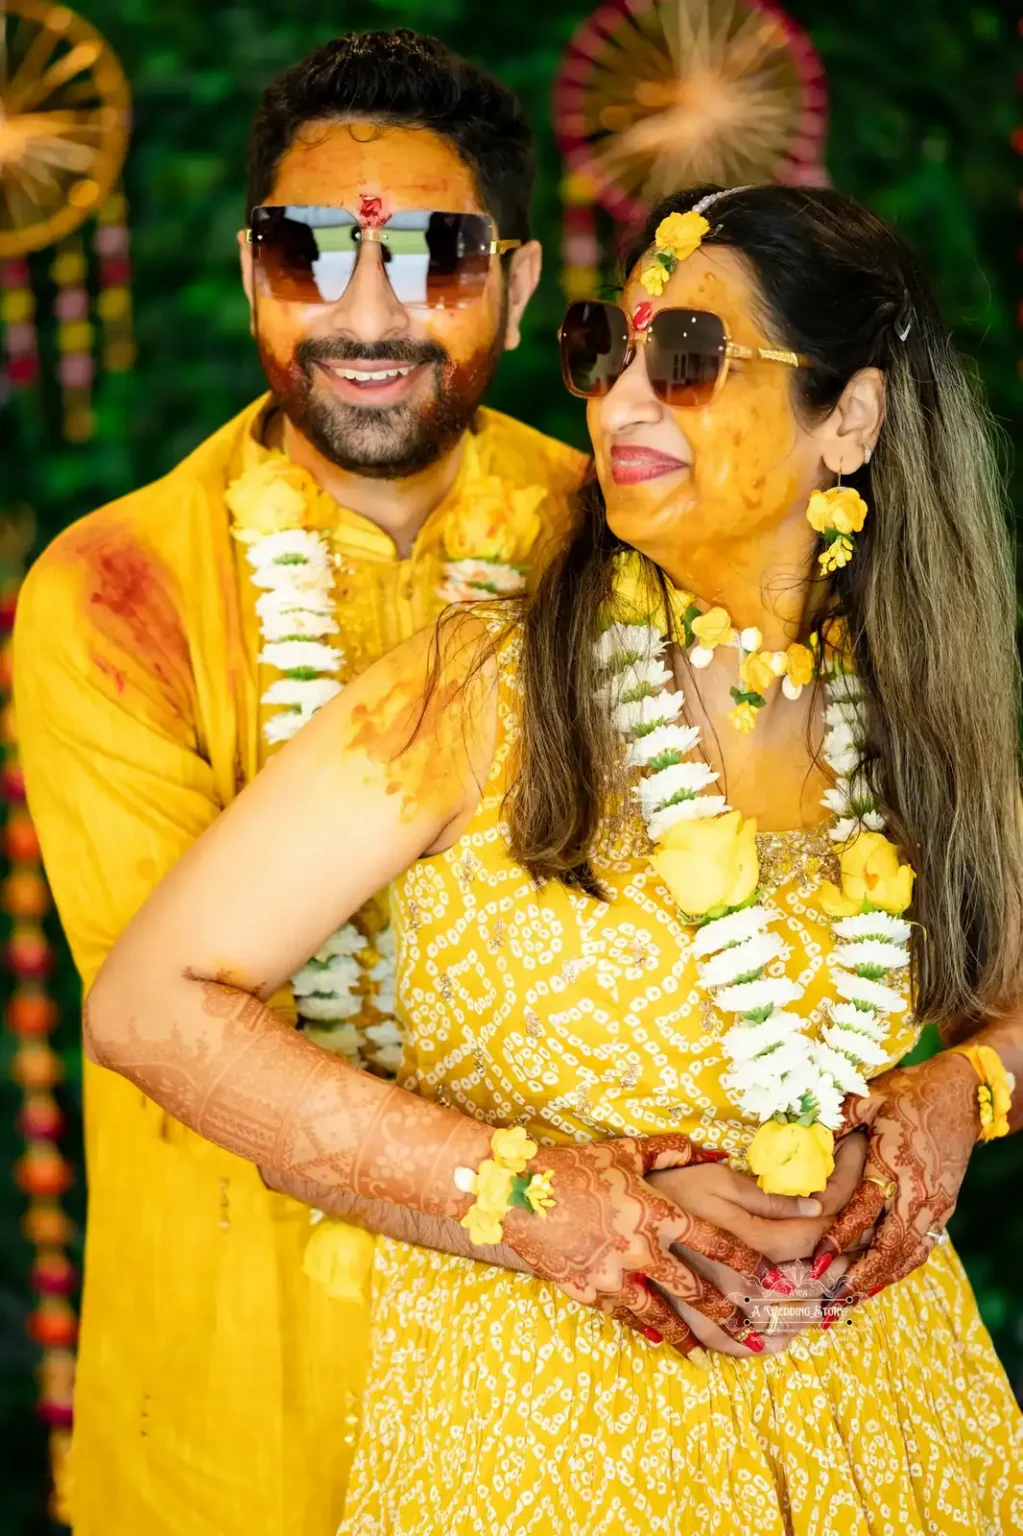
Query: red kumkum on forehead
[371, 211]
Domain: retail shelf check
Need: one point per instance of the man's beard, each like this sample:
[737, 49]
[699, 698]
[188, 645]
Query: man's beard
[381, 442]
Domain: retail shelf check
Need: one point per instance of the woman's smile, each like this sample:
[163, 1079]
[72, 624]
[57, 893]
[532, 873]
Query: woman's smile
[630, 463]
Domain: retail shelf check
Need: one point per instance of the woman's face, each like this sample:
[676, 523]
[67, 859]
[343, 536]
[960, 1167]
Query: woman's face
[733, 470]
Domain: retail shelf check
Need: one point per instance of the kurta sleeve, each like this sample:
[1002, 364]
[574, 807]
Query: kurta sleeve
[105, 704]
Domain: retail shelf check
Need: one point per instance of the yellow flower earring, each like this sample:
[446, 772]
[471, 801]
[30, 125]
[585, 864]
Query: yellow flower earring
[837, 514]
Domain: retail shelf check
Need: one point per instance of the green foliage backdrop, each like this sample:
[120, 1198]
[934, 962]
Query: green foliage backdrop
[922, 104]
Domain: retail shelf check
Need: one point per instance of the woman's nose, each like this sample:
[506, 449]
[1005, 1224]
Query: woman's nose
[630, 400]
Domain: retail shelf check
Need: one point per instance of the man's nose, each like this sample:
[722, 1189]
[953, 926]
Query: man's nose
[368, 310]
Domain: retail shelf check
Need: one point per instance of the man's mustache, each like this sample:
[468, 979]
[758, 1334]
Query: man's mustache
[336, 349]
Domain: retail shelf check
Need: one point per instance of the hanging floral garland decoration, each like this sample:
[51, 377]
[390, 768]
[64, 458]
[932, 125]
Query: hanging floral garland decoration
[31, 1016]
[65, 115]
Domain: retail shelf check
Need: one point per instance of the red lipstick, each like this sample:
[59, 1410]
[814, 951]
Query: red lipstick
[630, 464]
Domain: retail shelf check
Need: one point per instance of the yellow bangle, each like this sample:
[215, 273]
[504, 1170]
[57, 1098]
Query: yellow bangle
[499, 1183]
[994, 1091]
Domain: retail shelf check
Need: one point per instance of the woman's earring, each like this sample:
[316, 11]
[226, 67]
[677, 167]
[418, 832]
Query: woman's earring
[837, 514]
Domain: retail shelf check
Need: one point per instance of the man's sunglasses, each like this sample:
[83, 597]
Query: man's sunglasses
[432, 260]
[687, 352]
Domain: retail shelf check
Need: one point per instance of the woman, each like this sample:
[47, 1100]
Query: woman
[725, 979]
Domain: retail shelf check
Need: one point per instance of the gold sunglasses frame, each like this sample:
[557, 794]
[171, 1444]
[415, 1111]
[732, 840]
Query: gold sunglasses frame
[637, 337]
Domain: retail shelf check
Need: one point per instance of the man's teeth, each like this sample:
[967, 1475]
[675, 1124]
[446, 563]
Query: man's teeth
[375, 375]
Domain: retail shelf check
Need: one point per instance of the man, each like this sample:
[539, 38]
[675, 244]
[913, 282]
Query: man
[167, 642]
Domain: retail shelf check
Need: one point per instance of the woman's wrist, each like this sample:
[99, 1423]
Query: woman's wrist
[995, 1085]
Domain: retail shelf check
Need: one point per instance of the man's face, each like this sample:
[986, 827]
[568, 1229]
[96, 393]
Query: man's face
[331, 366]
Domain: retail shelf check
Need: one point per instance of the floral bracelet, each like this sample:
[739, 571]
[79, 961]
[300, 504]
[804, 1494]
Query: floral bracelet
[500, 1182]
[994, 1091]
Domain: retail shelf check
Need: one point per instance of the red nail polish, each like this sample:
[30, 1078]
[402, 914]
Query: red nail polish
[826, 1323]
[822, 1263]
[653, 1335]
[642, 1280]
[774, 1280]
[712, 1154]
[754, 1342]
[876, 1291]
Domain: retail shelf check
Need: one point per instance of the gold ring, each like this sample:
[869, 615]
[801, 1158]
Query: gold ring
[888, 1187]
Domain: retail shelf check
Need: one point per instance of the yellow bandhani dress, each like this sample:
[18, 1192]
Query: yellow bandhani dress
[495, 1404]
[217, 1385]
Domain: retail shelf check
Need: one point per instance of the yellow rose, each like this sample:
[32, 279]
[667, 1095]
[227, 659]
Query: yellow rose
[713, 628]
[840, 508]
[743, 717]
[272, 496]
[654, 278]
[494, 522]
[792, 1159]
[635, 592]
[681, 233]
[756, 673]
[799, 665]
[513, 1148]
[709, 863]
[482, 1225]
[871, 872]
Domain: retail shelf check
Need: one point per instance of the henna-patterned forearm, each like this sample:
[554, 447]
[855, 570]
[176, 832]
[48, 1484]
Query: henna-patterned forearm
[386, 1220]
[242, 1077]
[230, 1069]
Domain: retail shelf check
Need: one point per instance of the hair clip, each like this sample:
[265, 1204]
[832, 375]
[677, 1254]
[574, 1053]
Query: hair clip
[904, 319]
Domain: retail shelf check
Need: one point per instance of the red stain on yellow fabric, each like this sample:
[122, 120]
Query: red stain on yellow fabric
[131, 604]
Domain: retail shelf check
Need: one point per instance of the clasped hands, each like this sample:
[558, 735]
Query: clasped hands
[654, 1233]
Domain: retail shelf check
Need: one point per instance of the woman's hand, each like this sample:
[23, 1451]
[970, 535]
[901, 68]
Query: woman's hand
[922, 1123]
[606, 1240]
[780, 1227]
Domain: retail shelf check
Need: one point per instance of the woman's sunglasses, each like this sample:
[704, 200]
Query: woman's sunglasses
[687, 352]
[432, 260]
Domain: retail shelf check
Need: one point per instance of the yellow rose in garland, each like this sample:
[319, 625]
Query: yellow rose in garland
[709, 864]
[872, 874]
[274, 496]
[792, 1159]
[495, 522]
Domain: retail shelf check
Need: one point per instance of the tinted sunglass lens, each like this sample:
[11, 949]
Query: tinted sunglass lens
[594, 341]
[459, 258]
[684, 355]
[307, 254]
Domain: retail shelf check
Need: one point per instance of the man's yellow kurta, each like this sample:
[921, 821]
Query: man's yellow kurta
[218, 1387]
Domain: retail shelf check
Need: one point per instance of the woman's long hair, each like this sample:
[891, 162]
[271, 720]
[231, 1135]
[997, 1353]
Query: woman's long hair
[929, 600]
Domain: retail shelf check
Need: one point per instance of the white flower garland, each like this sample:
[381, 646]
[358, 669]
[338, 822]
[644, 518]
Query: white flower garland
[473, 581]
[296, 614]
[777, 1069]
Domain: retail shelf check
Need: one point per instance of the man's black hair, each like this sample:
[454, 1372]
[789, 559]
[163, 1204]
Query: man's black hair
[402, 78]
